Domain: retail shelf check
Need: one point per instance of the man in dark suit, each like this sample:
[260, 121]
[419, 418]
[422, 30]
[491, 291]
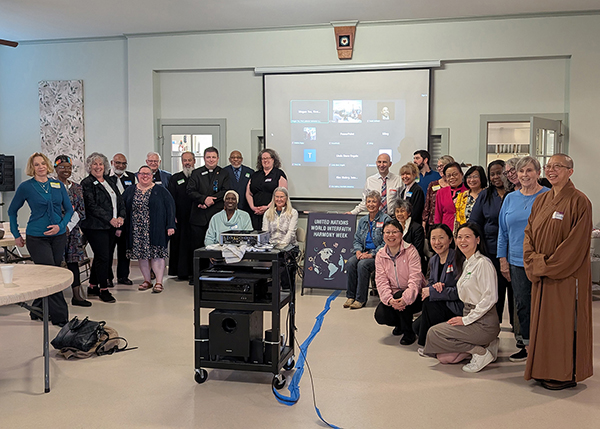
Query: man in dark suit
[161, 177]
[206, 187]
[123, 179]
[181, 252]
[239, 176]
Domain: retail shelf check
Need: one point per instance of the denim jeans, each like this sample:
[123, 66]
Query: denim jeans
[522, 292]
[359, 274]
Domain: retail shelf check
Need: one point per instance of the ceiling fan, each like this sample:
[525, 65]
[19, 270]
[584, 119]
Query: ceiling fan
[8, 43]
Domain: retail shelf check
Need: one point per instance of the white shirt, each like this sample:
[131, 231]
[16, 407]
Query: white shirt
[113, 197]
[374, 183]
[478, 286]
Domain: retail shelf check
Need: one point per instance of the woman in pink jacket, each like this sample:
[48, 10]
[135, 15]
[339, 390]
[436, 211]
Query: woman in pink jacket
[445, 208]
[399, 281]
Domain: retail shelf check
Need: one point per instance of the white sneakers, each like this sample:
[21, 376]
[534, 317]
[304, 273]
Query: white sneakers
[478, 362]
[493, 348]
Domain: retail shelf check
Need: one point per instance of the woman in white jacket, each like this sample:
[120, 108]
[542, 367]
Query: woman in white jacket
[281, 221]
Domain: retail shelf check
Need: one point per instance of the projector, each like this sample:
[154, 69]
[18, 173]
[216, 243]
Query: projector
[250, 238]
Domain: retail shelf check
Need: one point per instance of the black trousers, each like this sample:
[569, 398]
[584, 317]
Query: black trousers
[434, 312]
[198, 235]
[122, 262]
[504, 286]
[50, 251]
[257, 221]
[386, 315]
[181, 253]
[101, 241]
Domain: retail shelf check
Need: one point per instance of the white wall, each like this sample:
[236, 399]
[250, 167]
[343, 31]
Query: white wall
[478, 79]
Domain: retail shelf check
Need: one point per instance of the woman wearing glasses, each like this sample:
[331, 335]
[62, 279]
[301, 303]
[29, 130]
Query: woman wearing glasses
[475, 181]
[262, 184]
[445, 205]
[151, 221]
[512, 220]
[399, 281]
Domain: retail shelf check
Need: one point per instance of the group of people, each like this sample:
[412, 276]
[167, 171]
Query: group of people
[137, 214]
[522, 235]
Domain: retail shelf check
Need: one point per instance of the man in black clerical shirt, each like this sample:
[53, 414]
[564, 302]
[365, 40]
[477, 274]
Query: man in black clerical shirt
[124, 179]
[239, 176]
[206, 187]
[181, 252]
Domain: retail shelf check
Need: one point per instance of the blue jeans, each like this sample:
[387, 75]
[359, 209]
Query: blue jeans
[522, 292]
[359, 274]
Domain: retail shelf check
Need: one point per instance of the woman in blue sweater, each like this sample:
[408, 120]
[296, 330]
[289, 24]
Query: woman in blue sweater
[512, 221]
[46, 229]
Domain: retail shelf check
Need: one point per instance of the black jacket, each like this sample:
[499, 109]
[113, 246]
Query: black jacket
[417, 200]
[204, 184]
[98, 205]
[240, 187]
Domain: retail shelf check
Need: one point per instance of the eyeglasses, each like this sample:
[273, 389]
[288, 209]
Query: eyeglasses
[123, 163]
[63, 167]
[145, 174]
[554, 167]
[266, 158]
[152, 161]
[453, 176]
[235, 157]
[509, 172]
[395, 232]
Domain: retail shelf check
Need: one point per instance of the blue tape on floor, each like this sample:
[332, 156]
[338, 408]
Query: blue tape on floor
[294, 387]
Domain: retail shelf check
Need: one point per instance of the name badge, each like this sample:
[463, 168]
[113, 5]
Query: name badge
[248, 175]
[127, 182]
[181, 181]
[408, 194]
[96, 182]
[55, 185]
[435, 188]
[158, 182]
[204, 173]
[378, 224]
[393, 191]
[268, 180]
[235, 226]
[450, 268]
[558, 215]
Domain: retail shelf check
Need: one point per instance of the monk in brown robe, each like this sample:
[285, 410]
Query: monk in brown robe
[557, 261]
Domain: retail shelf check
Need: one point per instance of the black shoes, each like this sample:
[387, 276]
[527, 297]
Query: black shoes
[93, 291]
[124, 281]
[80, 302]
[109, 283]
[397, 331]
[520, 356]
[408, 339]
[558, 385]
[106, 296]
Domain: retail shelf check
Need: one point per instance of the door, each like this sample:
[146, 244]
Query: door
[182, 138]
[545, 138]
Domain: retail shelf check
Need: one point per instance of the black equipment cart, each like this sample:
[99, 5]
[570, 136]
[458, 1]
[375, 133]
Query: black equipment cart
[239, 293]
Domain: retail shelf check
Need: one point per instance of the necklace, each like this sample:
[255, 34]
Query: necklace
[45, 186]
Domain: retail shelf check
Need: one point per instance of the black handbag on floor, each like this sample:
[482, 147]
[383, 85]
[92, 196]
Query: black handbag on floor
[79, 334]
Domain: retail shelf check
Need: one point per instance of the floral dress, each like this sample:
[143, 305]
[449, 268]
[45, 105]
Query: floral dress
[75, 242]
[140, 223]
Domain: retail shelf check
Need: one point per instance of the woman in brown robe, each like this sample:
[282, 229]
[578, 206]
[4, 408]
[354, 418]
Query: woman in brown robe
[557, 261]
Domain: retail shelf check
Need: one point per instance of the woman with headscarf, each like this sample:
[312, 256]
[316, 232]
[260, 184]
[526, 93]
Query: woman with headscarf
[228, 219]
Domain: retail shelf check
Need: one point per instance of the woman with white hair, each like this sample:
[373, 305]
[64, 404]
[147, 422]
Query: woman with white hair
[228, 219]
[281, 221]
[105, 214]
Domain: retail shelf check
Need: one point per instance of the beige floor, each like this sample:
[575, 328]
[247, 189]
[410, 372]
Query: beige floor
[363, 377]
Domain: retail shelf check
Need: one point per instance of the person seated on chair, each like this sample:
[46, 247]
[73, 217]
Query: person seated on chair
[475, 334]
[440, 296]
[399, 281]
[413, 231]
[281, 222]
[228, 219]
[368, 240]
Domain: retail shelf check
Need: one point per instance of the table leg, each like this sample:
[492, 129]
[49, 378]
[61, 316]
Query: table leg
[46, 347]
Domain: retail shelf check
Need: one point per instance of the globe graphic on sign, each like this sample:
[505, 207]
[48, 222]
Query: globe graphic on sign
[328, 262]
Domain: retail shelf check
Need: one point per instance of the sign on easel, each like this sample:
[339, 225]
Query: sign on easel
[329, 239]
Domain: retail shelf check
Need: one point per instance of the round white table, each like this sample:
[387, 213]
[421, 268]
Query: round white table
[36, 281]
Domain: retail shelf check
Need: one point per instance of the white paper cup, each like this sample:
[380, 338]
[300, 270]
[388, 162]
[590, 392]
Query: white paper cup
[7, 273]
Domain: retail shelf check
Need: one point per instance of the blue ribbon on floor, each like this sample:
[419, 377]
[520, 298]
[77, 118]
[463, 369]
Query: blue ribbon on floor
[294, 387]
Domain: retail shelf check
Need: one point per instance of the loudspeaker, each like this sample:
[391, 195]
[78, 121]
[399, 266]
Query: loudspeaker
[270, 342]
[7, 173]
[256, 351]
[203, 351]
[232, 331]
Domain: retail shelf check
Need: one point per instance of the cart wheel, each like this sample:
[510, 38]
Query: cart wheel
[289, 364]
[201, 375]
[278, 381]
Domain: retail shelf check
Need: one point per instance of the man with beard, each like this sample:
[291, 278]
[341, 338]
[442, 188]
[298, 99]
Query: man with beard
[206, 187]
[426, 174]
[124, 179]
[239, 175]
[160, 177]
[181, 253]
